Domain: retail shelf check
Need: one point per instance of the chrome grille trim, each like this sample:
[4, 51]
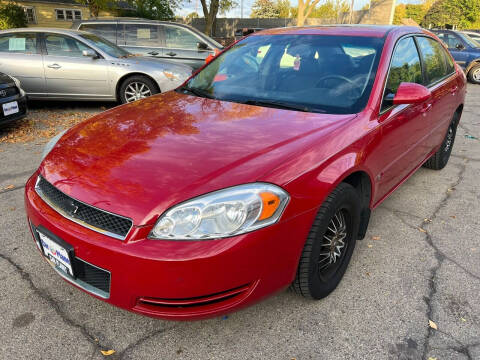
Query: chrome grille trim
[40, 193]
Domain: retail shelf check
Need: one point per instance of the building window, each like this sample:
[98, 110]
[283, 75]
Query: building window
[30, 14]
[68, 14]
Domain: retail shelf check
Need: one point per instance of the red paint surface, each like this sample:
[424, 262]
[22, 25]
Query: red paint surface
[139, 159]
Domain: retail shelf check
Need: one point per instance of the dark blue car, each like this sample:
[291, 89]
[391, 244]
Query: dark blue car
[464, 50]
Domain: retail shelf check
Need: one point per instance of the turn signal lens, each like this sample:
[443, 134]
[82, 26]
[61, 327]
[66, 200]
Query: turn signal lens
[270, 203]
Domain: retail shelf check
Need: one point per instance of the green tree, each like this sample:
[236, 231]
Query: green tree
[155, 9]
[461, 13]
[264, 9]
[283, 7]
[96, 5]
[12, 16]
[330, 10]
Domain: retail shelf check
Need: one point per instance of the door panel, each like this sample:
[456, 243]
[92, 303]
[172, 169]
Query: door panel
[403, 127]
[69, 74]
[442, 82]
[21, 58]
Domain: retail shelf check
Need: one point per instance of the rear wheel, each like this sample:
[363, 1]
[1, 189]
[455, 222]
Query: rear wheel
[440, 159]
[474, 74]
[136, 88]
[330, 244]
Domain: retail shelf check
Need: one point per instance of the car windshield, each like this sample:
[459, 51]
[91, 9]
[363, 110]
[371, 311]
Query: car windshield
[313, 73]
[106, 46]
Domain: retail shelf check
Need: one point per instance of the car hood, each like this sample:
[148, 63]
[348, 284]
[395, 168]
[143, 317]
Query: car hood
[155, 63]
[139, 159]
[5, 79]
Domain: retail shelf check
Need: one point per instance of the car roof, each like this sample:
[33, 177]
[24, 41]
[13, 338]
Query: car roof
[40, 29]
[345, 30]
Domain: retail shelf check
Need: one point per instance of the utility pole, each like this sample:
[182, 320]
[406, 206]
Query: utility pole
[241, 9]
[351, 12]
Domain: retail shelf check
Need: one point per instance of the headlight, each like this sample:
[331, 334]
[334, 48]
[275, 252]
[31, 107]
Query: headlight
[53, 141]
[17, 82]
[170, 75]
[223, 213]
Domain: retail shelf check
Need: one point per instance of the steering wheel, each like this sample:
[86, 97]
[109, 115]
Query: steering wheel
[333, 76]
[250, 61]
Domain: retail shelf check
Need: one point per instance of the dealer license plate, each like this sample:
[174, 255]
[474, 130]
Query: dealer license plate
[10, 108]
[56, 253]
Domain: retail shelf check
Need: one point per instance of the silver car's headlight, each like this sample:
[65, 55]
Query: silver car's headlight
[175, 75]
[17, 82]
[223, 213]
[53, 141]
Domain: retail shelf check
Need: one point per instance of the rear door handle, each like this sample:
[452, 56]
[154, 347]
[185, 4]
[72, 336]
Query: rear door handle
[171, 53]
[154, 53]
[54, 66]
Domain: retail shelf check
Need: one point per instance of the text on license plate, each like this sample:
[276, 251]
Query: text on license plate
[56, 253]
[10, 108]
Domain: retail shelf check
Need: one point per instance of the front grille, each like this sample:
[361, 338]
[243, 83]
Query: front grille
[92, 275]
[7, 92]
[99, 220]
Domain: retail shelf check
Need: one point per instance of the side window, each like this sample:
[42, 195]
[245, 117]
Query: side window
[107, 31]
[449, 62]
[142, 35]
[433, 59]
[59, 45]
[18, 43]
[404, 67]
[178, 38]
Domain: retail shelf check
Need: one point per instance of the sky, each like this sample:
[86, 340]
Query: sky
[190, 6]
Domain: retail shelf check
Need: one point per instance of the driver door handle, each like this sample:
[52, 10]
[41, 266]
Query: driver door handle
[154, 53]
[426, 108]
[54, 66]
[171, 53]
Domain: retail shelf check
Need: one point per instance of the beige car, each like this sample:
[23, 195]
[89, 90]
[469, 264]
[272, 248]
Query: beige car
[75, 65]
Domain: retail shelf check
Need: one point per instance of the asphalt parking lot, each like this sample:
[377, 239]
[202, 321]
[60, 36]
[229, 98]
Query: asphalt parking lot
[412, 290]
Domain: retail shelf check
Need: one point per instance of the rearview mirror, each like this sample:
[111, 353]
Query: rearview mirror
[89, 53]
[202, 46]
[411, 93]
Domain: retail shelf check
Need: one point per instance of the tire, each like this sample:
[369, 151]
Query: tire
[313, 280]
[128, 90]
[440, 159]
[474, 74]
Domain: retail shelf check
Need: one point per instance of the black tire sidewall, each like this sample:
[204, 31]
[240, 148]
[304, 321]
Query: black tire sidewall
[470, 74]
[141, 79]
[348, 200]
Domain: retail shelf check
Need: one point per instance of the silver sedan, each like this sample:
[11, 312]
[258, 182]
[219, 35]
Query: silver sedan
[75, 65]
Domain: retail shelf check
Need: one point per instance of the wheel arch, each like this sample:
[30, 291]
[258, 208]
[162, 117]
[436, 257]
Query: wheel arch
[472, 63]
[126, 76]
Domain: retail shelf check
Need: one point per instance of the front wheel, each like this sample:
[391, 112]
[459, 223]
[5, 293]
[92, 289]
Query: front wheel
[136, 88]
[330, 244]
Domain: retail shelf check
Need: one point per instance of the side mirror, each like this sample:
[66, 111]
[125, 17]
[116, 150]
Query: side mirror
[459, 46]
[89, 53]
[411, 93]
[202, 46]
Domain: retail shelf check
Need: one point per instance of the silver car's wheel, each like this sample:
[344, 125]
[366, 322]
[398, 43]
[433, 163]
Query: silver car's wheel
[137, 87]
[474, 74]
[136, 91]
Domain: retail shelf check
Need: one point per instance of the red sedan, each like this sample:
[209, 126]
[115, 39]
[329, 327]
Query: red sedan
[259, 173]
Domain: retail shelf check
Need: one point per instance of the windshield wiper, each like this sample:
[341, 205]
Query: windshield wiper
[197, 92]
[281, 105]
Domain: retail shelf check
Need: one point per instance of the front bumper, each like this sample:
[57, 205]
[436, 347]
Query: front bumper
[180, 279]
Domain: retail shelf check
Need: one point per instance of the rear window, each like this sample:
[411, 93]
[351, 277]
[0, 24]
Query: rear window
[433, 58]
[331, 74]
[107, 31]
